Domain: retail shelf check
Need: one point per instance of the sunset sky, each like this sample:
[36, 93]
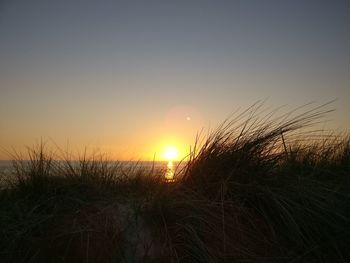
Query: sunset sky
[133, 77]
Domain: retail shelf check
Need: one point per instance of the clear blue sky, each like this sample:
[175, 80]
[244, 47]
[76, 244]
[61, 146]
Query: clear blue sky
[128, 76]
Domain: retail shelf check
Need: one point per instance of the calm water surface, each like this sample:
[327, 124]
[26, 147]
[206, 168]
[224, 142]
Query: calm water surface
[169, 168]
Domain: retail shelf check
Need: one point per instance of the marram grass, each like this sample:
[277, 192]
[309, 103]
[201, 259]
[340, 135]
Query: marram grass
[259, 188]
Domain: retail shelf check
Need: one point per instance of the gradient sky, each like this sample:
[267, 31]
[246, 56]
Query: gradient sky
[130, 77]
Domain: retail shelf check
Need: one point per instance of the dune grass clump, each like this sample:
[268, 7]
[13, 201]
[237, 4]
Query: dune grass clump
[271, 189]
[76, 211]
[259, 188]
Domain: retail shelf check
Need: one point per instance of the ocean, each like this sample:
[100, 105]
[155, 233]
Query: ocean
[168, 168]
[5, 166]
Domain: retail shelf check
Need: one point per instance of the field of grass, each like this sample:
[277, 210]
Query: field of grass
[259, 188]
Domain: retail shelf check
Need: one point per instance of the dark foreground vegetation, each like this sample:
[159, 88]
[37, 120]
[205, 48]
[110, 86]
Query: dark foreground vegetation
[259, 188]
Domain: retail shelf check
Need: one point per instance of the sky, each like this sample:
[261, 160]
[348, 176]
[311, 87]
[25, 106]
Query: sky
[131, 77]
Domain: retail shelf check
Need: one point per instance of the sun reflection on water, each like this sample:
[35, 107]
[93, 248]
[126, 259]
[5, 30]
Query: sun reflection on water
[170, 171]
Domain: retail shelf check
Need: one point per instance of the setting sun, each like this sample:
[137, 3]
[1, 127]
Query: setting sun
[171, 153]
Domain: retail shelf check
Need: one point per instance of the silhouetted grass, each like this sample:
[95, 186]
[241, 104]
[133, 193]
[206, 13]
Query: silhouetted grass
[259, 188]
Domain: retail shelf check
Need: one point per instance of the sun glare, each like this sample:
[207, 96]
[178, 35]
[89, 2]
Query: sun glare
[171, 153]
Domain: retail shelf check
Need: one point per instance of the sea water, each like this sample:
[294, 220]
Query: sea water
[5, 166]
[169, 169]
